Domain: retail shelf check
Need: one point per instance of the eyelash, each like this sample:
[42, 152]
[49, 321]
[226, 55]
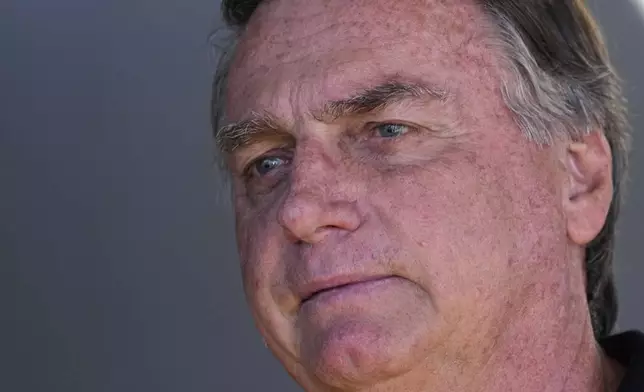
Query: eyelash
[371, 128]
[248, 172]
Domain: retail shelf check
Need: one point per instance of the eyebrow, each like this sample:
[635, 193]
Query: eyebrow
[235, 135]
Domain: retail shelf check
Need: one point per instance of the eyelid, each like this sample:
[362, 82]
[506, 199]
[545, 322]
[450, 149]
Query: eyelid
[372, 126]
[245, 156]
[248, 168]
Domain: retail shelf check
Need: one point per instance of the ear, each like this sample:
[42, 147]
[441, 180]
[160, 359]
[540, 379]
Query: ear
[589, 192]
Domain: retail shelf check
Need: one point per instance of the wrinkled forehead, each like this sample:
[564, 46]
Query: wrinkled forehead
[339, 45]
[291, 23]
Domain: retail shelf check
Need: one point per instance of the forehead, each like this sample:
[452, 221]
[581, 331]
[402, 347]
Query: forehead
[300, 53]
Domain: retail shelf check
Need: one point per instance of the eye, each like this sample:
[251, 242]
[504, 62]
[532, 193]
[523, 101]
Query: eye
[265, 165]
[391, 130]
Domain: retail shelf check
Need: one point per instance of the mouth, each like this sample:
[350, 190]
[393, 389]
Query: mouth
[322, 288]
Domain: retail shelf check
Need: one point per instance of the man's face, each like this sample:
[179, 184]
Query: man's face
[390, 214]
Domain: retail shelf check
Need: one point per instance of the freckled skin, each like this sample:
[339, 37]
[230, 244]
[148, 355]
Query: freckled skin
[473, 218]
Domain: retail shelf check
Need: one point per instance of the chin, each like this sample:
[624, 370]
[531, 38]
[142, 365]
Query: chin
[354, 352]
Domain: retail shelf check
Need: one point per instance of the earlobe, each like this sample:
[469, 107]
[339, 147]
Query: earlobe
[589, 193]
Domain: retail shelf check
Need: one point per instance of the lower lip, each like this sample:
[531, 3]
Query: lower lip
[353, 290]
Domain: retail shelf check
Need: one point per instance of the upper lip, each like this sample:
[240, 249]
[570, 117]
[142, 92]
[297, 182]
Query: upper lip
[310, 289]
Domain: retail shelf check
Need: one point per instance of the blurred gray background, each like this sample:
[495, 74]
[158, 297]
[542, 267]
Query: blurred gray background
[118, 266]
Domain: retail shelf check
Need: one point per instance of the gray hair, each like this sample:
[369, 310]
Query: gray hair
[560, 82]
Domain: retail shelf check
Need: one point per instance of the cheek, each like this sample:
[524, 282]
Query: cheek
[259, 249]
[449, 199]
[435, 208]
[462, 222]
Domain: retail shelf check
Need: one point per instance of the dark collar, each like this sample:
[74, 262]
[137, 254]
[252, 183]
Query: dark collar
[627, 348]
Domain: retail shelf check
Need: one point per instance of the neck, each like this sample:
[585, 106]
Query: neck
[547, 354]
[570, 360]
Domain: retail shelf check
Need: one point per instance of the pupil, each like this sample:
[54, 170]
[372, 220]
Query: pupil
[390, 130]
[266, 165]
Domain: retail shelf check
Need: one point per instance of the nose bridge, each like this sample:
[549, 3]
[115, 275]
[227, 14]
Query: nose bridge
[318, 197]
[316, 169]
[312, 182]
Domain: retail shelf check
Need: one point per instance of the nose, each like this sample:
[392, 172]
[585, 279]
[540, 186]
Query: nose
[320, 199]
